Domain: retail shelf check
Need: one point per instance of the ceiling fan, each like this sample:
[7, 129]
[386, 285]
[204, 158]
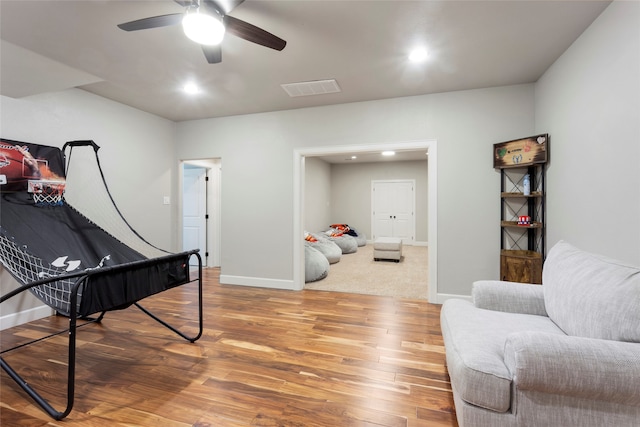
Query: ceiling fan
[205, 22]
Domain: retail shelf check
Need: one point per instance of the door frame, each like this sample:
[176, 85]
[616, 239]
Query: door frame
[299, 155]
[413, 206]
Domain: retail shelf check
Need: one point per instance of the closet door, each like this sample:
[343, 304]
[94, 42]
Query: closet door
[392, 205]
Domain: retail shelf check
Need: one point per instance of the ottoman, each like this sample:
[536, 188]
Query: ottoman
[387, 248]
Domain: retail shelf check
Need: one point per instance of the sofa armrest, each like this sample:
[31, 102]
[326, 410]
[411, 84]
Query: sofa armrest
[509, 297]
[575, 366]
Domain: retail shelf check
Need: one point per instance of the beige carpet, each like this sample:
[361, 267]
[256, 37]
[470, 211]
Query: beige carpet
[359, 273]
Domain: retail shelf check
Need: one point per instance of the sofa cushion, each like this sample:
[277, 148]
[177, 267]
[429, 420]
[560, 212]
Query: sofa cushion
[591, 296]
[474, 339]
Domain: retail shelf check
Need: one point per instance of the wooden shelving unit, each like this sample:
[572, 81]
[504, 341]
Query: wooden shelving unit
[522, 246]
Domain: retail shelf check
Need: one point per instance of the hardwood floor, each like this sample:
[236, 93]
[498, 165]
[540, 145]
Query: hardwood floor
[266, 358]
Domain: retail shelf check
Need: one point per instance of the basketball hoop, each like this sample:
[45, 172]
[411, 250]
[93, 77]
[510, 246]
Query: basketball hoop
[46, 193]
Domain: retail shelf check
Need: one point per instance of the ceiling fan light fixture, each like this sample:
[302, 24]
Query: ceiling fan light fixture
[202, 28]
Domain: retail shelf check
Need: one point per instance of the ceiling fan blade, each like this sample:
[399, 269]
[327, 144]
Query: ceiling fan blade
[153, 22]
[250, 32]
[212, 53]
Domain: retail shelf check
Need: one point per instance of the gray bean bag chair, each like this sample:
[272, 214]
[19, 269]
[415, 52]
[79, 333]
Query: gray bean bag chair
[347, 243]
[316, 265]
[361, 238]
[328, 248]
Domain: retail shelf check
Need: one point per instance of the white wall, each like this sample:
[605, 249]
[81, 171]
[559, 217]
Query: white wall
[137, 156]
[317, 195]
[589, 102]
[351, 193]
[258, 174]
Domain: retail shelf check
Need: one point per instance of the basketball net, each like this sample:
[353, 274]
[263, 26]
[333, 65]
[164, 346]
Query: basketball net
[46, 193]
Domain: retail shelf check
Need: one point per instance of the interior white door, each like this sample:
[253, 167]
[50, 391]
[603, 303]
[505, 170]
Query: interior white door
[194, 210]
[393, 207]
[403, 211]
[382, 196]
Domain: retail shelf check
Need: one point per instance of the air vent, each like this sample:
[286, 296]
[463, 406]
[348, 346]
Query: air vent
[316, 87]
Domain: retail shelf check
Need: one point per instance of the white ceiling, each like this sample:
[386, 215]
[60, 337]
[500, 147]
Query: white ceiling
[57, 44]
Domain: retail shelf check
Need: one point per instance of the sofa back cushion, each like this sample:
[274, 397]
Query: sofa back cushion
[591, 296]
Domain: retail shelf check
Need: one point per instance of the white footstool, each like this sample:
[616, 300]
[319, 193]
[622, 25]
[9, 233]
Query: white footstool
[387, 248]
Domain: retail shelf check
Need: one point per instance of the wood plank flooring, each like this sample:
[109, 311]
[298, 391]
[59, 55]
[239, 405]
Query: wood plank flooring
[267, 358]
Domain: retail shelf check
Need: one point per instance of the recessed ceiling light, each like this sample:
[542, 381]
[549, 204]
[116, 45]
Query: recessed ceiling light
[388, 153]
[191, 88]
[354, 157]
[418, 55]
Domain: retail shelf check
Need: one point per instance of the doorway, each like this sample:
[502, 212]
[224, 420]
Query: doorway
[299, 197]
[200, 208]
[194, 210]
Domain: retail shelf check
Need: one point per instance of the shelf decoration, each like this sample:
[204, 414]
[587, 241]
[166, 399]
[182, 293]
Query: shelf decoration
[524, 220]
[521, 152]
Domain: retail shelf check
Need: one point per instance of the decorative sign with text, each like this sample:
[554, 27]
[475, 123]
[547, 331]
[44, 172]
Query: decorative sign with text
[521, 152]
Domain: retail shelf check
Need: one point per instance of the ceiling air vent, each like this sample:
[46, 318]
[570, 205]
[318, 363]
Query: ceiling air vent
[316, 87]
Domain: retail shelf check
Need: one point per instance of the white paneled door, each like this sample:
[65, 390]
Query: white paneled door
[393, 207]
[194, 210]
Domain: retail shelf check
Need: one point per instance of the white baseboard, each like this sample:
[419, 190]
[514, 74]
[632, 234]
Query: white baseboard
[416, 243]
[259, 282]
[26, 316]
[441, 298]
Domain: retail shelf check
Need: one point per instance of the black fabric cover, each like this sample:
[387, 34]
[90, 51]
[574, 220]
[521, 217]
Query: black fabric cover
[118, 288]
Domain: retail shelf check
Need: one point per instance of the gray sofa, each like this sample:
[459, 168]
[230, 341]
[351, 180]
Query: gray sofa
[566, 353]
